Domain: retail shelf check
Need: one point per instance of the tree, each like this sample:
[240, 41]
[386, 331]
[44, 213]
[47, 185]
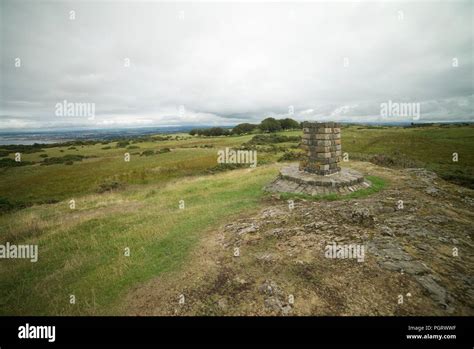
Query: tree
[217, 131]
[243, 128]
[213, 131]
[270, 125]
[288, 124]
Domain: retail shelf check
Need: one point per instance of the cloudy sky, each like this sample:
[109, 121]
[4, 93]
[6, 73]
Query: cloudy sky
[226, 63]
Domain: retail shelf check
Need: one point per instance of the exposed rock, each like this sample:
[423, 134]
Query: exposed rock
[439, 219]
[432, 191]
[437, 292]
[314, 225]
[406, 241]
[423, 174]
[389, 249]
[265, 257]
[270, 288]
[240, 281]
[272, 212]
[276, 232]
[418, 232]
[273, 303]
[274, 298]
[277, 305]
[252, 228]
[362, 216]
[423, 247]
[222, 304]
[406, 252]
[387, 231]
[409, 267]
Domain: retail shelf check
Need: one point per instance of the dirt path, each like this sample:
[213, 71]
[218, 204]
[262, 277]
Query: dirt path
[423, 252]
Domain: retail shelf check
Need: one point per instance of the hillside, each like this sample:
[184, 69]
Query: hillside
[134, 206]
[282, 270]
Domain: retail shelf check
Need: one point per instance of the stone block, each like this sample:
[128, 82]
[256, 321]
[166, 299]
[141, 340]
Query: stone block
[322, 144]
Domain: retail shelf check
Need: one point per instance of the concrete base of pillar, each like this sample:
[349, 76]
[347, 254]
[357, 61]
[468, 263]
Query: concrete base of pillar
[293, 180]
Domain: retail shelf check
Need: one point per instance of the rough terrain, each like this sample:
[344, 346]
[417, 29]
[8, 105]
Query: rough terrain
[421, 250]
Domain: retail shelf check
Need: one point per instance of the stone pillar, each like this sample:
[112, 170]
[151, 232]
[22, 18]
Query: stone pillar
[322, 144]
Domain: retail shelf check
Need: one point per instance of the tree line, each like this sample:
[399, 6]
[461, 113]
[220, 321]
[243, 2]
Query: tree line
[267, 125]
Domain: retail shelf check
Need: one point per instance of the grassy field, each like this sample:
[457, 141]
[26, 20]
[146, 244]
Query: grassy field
[82, 249]
[430, 147]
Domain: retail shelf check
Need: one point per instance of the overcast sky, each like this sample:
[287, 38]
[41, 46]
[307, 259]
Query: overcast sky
[231, 63]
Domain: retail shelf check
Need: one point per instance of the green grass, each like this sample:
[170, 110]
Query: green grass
[430, 147]
[39, 184]
[377, 185]
[81, 251]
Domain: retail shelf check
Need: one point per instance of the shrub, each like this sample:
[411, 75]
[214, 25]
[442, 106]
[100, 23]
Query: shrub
[290, 156]
[460, 178]
[396, 161]
[269, 139]
[109, 186]
[225, 167]
[147, 152]
[24, 149]
[6, 205]
[122, 144]
[7, 162]
[382, 160]
[66, 159]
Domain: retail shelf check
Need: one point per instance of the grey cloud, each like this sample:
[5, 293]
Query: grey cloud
[236, 62]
